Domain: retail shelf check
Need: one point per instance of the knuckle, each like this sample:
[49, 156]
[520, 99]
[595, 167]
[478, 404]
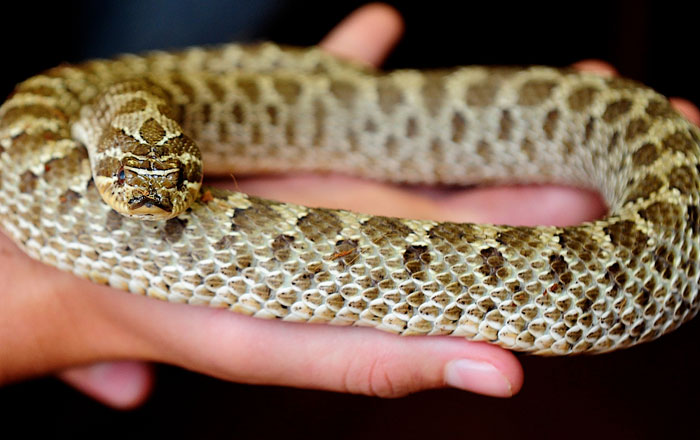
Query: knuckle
[380, 376]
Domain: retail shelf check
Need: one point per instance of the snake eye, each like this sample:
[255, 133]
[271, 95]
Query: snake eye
[121, 176]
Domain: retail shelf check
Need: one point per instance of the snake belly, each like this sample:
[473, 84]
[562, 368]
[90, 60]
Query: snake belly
[594, 287]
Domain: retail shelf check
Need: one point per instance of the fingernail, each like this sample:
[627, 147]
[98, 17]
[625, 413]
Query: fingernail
[119, 383]
[478, 377]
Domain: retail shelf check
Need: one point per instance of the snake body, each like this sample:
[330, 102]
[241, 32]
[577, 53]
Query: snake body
[594, 287]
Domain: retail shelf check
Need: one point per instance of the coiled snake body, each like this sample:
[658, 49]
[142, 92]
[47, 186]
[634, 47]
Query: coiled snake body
[595, 287]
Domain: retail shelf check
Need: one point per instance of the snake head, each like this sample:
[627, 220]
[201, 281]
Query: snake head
[150, 183]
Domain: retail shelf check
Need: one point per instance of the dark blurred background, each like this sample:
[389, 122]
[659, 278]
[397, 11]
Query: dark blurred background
[650, 391]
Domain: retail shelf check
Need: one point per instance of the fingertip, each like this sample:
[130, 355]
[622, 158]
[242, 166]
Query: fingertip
[485, 369]
[121, 385]
[366, 35]
[687, 109]
[511, 368]
[599, 67]
[389, 14]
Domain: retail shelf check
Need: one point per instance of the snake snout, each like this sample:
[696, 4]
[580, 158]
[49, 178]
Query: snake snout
[147, 202]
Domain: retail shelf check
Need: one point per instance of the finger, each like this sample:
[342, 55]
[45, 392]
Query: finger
[517, 205]
[596, 66]
[367, 35]
[324, 357]
[687, 109]
[121, 385]
[527, 205]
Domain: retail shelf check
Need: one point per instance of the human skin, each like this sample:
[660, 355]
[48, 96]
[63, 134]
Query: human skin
[101, 341]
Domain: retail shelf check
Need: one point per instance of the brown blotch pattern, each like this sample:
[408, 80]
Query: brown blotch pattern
[27, 182]
[626, 234]
[174, 228]
[483, 149]
[319, 113]
[260, 217]
[659, 108]
[550, 124]
[616, 109]
[520, 237]
[391, 146]
[663, 214]
[256, 136]
[529, 148]
[380, 228]
[459, 127]
[288, 89]
[107, 167]
[216, 90]
[37, 111]
[580, 241]
[389, 95]
[636, 127]
[681, 142]
[205, 112]
[171, 111]
[371, 126]
[581, 99]
[437, 149]
[290, 132]
[534, 92]
[152, 132]
[319, 224]
[684, 178]
[455, 233]
[40, 90]
[238, 113]
[117, 138]
[114, 221]
[646, 186]
[135, 105]
[184, 87]
[411, 128]
[192, 170]
[272, 114]
[56, 170]
[619, 83]
[249, 88]
[344, 92]
[433, 91]
[506, 125]
[645, 155]
[483, 93]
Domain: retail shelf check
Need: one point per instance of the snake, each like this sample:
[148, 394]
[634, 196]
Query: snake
[102, 166]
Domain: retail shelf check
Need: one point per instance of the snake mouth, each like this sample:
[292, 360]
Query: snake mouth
[149, 205]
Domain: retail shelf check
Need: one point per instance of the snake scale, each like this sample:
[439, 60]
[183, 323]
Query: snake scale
[594, 287]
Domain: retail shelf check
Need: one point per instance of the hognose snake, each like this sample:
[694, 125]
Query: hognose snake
[596, 287]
